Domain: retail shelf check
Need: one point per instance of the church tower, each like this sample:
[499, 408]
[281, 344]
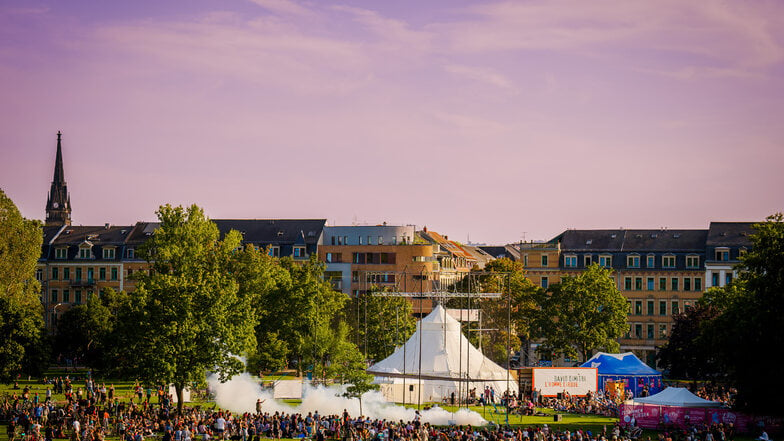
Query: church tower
[58, 204]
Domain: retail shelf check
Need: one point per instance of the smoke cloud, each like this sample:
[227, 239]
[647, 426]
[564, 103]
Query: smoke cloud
[239, 395]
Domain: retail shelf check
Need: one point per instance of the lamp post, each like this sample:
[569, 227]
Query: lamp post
[53, 323]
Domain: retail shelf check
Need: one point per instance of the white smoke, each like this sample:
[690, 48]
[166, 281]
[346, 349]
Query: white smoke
[241, 392]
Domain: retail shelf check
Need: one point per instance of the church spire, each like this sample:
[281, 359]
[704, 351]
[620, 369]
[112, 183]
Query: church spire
[58, 204]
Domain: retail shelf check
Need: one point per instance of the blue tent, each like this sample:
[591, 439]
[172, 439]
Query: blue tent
[628, 368]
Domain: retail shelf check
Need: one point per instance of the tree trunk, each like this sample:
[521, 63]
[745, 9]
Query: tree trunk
[360, 404]
[178, 387]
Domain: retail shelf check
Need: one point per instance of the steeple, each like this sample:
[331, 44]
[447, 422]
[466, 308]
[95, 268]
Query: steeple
[58, 204]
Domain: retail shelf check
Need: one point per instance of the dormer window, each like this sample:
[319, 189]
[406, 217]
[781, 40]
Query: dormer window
[274, 251]
[633, 261]
[668, 261]
[722, 254]
[129, 253]
[692, 261]
[61, 253]
[299, 252]
[108, 253]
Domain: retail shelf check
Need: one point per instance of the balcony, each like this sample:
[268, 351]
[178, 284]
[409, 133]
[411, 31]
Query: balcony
[83, 282]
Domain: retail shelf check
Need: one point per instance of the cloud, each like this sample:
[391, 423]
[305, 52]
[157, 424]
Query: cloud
[287, 7]
[482, 75]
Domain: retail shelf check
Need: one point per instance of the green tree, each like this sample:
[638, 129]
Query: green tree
[582, 314]
[85, 330]
[21, 313]
[518, 302]
[380, 322]
[747, 334]
[186, 315]
[359, 382]
[685, 355]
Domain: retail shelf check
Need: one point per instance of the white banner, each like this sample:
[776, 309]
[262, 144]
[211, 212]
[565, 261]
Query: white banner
[576, 381]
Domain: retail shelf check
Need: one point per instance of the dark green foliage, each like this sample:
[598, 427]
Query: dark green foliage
[582, 314]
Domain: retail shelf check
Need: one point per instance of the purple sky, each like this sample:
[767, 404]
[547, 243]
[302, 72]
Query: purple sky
[492, 119]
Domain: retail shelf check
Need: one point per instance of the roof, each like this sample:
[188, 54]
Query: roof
[677, 396]
[274, 230]
[619, 364]
[633, 240]
[501, 251]
[96, 235]
[730, 234]
[447, 245]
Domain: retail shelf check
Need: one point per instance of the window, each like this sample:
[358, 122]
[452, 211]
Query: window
[299, 252]
[345, 240]
[629, 307]
[605, 261]
[587, 260]
[662, 331]
[632, 261]
[687, 284]
[129, 253]
[114, 273]
[668, 261]
[698, 284]
[84, 253]
[360, 240]
[329, 257]
[66, 273]
[102, 273]
[61, 253]
[39, 274]
[674, 283]
[78, 274]
[650, 331]
[333, 240]
[692, 261]
[686, 305]
[638, 283]
[370, 240]
[638, 330]
[381, 240]
[545, 282]
[627, 283]
[722, 254]
[651, 261]
[570, 261]
[274, 251]
[650, 284]
[394, 240]
[54, 296]
[355, 276]
[662, 284]
[544, 260]
[714, 279]
[662, 307]
[728, 278]
[78, 296]
[638, 307]
[108, 253]
[675, 307]
[650, 307]
[357, 257]
[66, 296]
[55, 273]
[90, 274]
[525, 260]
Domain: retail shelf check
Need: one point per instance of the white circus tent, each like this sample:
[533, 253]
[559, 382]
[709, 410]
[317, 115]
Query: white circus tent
[449, 364]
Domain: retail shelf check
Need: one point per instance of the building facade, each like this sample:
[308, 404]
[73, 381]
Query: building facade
[388, 256]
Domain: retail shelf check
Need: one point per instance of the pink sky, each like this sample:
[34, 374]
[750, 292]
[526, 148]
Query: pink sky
[492, 119]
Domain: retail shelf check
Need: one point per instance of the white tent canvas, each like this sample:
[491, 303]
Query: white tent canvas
[676, 396]
[450, 363]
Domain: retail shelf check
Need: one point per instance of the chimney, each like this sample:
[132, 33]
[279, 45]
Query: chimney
[106, 225]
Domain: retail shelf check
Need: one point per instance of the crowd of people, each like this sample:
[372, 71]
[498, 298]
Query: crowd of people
[91, 411]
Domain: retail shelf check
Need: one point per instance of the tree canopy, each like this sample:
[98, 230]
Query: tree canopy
[582, 314]
[389, 322]
[187, 314]
[21, 313]
[746, 335]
